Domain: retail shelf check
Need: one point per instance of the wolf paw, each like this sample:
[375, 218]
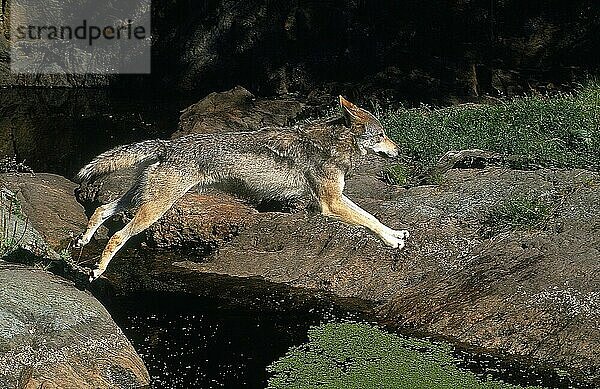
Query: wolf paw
[401, 234]
[95, 274]
[394, 242]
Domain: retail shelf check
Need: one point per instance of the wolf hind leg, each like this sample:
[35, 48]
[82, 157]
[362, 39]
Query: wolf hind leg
[101, 214]
[146, 215]
[158, 191]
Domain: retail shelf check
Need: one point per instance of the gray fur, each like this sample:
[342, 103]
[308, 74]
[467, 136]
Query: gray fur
[121, 157]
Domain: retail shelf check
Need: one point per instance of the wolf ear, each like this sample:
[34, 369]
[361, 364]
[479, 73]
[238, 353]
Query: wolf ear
[353, 113]
[350, 110]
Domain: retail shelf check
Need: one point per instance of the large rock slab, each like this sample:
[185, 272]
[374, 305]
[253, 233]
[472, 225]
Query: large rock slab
[55, 336]
[528, 291]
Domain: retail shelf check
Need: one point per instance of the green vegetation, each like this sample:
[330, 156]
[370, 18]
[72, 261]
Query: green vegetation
[350, 355]
[397, 174]
[550, 131]
[10, 208]
[521, 212]
[65, 255]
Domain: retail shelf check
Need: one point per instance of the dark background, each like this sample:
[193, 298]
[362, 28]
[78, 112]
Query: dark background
[437, 51]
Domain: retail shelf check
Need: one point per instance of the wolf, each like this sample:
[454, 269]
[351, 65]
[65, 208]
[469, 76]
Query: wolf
[306, 162]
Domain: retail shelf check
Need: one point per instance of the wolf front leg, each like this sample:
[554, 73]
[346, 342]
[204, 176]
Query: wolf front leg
[371, 222]
[334, 203]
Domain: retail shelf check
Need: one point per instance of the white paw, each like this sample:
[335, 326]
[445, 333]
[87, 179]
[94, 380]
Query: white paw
[95, 274]
[393, 242]
[401, 234]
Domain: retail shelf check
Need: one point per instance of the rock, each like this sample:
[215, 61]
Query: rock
[526, 291]
[49, 204]
[58, 72]
[18, 239]
[55, 336]
[203, 223]
[236, 110]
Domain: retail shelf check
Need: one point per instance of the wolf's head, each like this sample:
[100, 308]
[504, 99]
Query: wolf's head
[368, 130]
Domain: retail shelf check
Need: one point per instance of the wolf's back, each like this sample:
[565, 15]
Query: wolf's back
[122, 157]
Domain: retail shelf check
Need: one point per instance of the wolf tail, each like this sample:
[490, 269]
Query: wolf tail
[122, 157]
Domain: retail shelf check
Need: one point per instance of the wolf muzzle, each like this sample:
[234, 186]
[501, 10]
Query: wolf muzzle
[387, 148]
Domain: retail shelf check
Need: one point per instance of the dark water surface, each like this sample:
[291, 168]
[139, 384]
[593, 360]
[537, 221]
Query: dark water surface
[198, 342]
[202, 342]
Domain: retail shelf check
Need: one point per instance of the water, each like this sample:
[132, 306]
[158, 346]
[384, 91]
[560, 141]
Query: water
[515, 372]
[188, 341]
[198, 342]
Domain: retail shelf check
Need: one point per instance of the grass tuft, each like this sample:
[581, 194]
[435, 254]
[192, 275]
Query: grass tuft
[398, 174]
[521, 212]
